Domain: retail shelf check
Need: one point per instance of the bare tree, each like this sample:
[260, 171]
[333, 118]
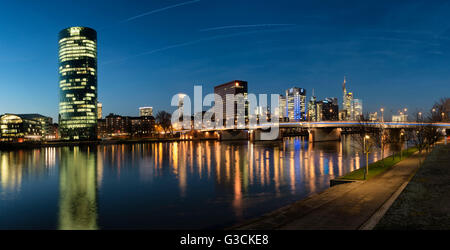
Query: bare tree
[381, 139]
[425, 135]
[164, 120]
[441, 110]
[365, 137]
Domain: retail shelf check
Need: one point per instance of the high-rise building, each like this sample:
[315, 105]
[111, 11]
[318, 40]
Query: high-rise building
[78, 83]
[312, 109]
[357, 109]
[296, 104]
[282, 108]
[344, 96]
[349, 106]
[347, 100]
[99, 110]
[146, 111]
[330, 109]
[239, 90]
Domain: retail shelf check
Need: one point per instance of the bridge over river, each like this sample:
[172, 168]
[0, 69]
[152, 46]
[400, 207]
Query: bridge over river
[317, 131]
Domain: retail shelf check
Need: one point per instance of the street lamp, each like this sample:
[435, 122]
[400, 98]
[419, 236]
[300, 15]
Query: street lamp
[382, 115]
[366, 170]
[420, 116]
[443, 115]
[401, 145]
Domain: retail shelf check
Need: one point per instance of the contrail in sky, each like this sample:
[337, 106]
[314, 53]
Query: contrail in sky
[247, 26]
[194, 42]
[159, 10]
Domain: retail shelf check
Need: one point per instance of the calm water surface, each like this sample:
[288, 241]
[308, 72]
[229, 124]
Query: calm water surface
[178, 185]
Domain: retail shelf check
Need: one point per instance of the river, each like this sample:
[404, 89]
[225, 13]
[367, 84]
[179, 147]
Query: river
[173, 185]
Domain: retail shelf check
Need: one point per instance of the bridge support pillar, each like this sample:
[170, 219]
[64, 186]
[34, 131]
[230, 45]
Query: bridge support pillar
[324, 134]
[255, 135]
[229, 135]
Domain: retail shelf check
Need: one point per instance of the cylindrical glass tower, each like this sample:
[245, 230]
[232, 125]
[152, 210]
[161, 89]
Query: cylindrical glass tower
[78, 84]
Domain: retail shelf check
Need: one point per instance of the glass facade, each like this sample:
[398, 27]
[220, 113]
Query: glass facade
[78, 83]
[296, 104]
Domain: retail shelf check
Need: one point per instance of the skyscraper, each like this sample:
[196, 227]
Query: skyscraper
[78, 83]
[296, 104]
[344, 96]
[330, 109]
[282, 108]
[239, 90]
[357, 109]
[312, 109]
[347, 113]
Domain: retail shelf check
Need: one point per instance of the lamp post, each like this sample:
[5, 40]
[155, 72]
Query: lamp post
[366, 170]
[382, 115]
[401, 145]
[443, 115]
[420, 116]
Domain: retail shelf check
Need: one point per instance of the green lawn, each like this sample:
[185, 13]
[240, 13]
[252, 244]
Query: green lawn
[377, 168]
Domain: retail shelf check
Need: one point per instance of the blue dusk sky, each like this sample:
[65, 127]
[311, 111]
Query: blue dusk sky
[395, 54]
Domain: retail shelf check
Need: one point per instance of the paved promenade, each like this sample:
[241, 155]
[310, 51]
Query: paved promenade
[352, 206]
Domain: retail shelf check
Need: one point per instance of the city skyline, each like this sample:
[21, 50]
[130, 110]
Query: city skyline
[265, 48]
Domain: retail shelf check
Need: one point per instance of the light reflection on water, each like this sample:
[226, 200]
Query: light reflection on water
[178, 185]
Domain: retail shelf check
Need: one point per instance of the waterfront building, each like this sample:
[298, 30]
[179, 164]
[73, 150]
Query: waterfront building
[102, 131]
[117, 125]
[46, 123]
[296, 104]
[142, 126]
[99, 110]
[146, 111]
[230, 111]
[53, 132]
[373, 117]
[78, 83]
[14, 128]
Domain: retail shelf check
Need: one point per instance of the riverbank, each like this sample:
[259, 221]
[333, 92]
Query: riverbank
[425, 202]
[351, 206]
[379, 167]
